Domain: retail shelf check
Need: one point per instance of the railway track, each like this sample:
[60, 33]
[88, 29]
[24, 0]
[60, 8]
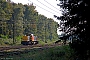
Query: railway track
[22, 47]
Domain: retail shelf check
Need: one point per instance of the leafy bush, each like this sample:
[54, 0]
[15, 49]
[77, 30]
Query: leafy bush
[54, 53]
[4, 36]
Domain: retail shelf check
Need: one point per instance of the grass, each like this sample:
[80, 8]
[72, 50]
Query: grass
[54, 53]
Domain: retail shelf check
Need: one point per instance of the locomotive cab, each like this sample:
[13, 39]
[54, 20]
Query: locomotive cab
[29, 40]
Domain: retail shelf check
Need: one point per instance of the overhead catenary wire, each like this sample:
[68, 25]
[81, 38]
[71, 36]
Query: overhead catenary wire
[43, 8]
[48, 7]
[51, 4]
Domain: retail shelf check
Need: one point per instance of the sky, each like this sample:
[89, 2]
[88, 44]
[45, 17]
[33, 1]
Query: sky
[47, 8]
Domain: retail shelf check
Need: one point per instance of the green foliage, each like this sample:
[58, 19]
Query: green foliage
[53, 53]
[5, 42]
[18, 40]
[18, 19]
[4, 36]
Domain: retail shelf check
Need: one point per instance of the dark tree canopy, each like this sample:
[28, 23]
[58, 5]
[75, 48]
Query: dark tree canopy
[76, 22]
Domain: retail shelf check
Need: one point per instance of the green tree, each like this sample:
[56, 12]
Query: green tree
[5, 15]
[18, 19]
[76, 20]
[30, 19]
